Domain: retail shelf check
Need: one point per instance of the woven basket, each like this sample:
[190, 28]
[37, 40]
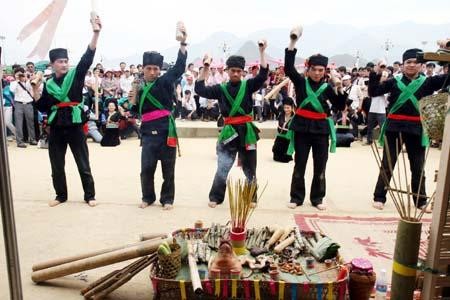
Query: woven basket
[168, 266]
[360, 286]
[433, 110]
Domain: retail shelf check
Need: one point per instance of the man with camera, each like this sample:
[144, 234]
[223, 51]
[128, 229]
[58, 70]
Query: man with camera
[62, 100]
[23, 107]
[403, 123]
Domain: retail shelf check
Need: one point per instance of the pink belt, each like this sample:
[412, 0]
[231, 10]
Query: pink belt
[154, 115]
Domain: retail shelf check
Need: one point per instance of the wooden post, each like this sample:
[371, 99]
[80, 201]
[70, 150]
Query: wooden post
[438, 257]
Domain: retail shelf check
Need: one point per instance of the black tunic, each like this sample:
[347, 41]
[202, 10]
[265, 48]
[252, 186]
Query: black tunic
[163, 90]
[63, 116]
[111, 137]
[300, 124]
[281, 144]
[430, 85]
[215, 92]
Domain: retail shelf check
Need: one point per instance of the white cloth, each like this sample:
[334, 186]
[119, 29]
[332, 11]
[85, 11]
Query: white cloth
[378, 105]
[20, 94]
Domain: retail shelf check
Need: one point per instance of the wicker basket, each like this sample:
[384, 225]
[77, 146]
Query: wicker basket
[433, 110]
[360, 286]
[168, 266]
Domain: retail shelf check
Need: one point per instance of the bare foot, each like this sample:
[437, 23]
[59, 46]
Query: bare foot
[92, 203]
[212, 204]
[144, 205]
[53, 203]
[427, 209]
[321, 206]
[167, 207]
[292, 205]
[378, 205]
[253, 205]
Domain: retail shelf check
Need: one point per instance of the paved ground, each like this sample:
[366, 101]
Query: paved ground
[72, 228]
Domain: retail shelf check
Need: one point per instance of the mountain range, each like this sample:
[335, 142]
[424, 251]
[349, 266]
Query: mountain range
[342, 43]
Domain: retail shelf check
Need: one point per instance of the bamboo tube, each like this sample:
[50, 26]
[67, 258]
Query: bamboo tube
[64, 260]
[276, 89]
[123, 279]
[151, 236]
[105, 282]
[193, 269]
[145, 248]
[405, 256]
[98, 282]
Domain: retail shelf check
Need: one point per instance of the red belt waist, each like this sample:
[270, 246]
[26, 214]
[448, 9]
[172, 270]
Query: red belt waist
[310, 114]
[237, 120]
[67, 104]
[404, 118]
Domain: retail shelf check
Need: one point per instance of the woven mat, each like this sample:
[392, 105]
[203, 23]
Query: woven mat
[372, 238]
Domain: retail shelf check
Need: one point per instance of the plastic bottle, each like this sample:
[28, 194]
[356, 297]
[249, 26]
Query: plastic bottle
[381, 286]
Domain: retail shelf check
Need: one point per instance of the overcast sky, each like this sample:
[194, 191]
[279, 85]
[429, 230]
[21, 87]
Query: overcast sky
[136, 25]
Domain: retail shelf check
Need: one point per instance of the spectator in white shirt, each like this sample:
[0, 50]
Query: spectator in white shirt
[126, 83]
[430, 69]
[377, 112]
[188, 110]
[354, 92]
[23, 108]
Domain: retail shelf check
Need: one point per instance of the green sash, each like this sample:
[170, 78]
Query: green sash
[313, 99]
[172, 138]
[407, 94]
[228, 132]
[60, 93]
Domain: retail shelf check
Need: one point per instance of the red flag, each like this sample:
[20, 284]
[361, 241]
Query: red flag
[49, 16]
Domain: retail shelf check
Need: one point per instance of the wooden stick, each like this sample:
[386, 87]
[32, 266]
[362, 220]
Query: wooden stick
[405, 192]
[426, 206]
[98, 282]
[64, 260]
[398, 172]
[122, 280]
[406, 179]
[119, 274]
[151, 236]
[389, 158]
[145, 248]
[193, 269]
[421, 178]
[101, 284]
[384, 176]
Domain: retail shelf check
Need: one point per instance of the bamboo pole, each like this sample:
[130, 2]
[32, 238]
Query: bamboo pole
[276, 89]
[145, 248]
[193, 269]
[151, 236]
[405, 259]
[64, 260]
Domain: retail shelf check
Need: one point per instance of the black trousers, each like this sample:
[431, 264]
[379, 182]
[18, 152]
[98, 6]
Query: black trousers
[154, 148]
[58, 140]
[416, 156]
[226, 155]
[304, 142]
